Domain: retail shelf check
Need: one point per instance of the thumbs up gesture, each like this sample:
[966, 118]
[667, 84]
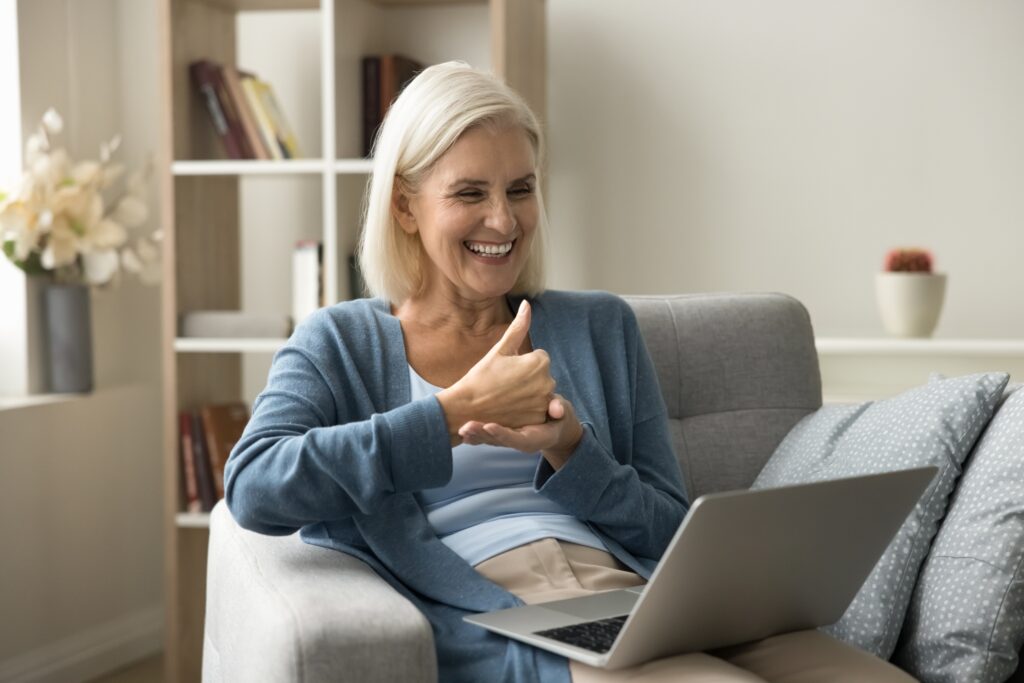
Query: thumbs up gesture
[505, 387]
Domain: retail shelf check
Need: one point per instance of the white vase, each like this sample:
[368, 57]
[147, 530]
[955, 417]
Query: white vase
[910, 303]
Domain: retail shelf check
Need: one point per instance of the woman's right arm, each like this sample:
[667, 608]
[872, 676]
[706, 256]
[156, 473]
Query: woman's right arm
[294, 466]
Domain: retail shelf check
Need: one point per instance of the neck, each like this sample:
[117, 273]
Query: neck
[444, 311]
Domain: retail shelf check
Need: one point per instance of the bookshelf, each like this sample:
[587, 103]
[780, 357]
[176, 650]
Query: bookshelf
[229, 224]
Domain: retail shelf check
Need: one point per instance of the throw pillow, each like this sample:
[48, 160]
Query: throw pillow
[935, 424]
[966, 617]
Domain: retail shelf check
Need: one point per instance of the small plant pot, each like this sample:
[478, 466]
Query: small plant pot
[910, 303]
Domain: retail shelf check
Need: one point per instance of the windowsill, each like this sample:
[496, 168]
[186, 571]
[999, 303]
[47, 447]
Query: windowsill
[16, 402]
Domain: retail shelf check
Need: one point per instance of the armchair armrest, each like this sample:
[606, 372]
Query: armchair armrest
[279, 609]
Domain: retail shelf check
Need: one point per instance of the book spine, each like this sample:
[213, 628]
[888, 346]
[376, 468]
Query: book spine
[284, 131]
[306, 280]
[213, 449]
[204, 475]
[188, 464]
[371, 102]
[250, 86]
[206, 83]
[233, 82]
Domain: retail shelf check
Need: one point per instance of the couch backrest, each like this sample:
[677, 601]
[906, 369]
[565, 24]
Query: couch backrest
[737, 372]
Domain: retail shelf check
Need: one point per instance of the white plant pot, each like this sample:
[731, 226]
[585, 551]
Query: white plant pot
[910, 303]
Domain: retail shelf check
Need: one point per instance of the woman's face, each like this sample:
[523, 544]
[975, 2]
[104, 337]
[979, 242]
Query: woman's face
[476, 213]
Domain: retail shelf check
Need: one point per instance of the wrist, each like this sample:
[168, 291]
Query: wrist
[456, 411]
[558, 455]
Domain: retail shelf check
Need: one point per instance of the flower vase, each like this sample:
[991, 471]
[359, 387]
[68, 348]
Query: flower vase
[68, 329]
[909, 302]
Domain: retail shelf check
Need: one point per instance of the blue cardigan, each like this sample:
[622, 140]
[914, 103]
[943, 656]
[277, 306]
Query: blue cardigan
[336, 449]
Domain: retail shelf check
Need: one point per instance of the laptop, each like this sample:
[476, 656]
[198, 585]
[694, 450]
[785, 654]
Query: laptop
[743, 565]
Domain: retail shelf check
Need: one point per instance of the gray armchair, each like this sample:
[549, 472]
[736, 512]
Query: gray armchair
[737, 372]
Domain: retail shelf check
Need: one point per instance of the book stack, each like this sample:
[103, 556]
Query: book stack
[244, 111]
[384, 76]
[207, 436]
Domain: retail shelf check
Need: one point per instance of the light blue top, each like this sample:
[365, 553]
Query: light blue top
[337, 449]
[489, 505]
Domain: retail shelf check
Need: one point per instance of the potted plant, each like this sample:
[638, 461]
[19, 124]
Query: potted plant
[909, 294]
[71, 225]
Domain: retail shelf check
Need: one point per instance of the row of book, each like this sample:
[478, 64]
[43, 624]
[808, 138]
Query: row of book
[206, 437]
[244, 111]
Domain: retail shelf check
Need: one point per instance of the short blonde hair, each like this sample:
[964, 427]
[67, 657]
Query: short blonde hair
[437, 107]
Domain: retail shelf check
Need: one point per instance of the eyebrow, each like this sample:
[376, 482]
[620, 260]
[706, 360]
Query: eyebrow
[484, 183]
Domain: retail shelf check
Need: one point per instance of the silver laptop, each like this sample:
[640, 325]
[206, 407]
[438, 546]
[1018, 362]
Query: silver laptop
[743, 565]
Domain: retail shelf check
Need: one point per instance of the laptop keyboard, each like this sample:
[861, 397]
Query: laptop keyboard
[596, 636]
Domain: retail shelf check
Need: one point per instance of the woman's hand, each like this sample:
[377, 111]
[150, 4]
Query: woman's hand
[556, 439]
[503, 386]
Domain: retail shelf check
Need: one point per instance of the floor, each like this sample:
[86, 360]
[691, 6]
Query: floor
[144, 671]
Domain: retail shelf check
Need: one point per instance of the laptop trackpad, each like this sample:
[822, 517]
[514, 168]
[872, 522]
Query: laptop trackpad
[609, 604]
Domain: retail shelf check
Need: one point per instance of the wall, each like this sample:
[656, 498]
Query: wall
[744, 145]
[80, 491]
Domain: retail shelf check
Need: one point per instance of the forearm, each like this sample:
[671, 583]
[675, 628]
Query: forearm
[285, 474]
[640, 512]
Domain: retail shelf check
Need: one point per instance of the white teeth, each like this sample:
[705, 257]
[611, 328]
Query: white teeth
[489, 249]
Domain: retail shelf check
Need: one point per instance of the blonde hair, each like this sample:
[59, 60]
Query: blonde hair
[437, 107]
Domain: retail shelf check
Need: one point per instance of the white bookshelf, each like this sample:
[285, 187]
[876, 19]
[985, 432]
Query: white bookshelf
[880, 346]
[230, 226]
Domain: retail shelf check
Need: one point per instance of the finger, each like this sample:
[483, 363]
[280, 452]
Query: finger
[556, 409]
[512, 340]
[471, 428]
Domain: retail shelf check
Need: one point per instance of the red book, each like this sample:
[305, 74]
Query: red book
[188, 464]
[206, 77]
[204, 474]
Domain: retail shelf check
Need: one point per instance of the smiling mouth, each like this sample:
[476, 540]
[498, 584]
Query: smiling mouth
[490, 250]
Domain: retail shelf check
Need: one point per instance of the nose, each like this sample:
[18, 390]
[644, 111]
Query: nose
[500, 217]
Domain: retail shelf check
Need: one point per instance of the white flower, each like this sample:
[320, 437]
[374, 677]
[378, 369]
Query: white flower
[131, 212]
[100, 266]
[52, 121]
[61, 245]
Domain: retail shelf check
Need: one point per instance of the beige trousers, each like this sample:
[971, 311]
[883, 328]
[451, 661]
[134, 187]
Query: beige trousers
[551, 570]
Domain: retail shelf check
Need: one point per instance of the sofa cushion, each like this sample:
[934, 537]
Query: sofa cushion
[966, 617]
[935, 424]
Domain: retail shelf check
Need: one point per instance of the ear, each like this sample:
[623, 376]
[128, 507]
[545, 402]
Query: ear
[401, 209]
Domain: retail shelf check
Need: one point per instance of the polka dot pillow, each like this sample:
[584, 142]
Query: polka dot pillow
[966, 617]
[935, 424]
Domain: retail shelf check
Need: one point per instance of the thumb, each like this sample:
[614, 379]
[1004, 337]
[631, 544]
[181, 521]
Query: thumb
[513, 338]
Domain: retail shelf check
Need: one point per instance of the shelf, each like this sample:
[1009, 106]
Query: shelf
[227, 345]
[353, 166]
[868, 346]
[258, 5]
[192, 520]
[248, 167]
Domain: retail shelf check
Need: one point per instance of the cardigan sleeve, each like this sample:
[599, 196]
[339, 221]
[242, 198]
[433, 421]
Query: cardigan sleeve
[293, 467]
[636, 498]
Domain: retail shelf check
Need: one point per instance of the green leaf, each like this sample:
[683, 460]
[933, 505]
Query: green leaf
[32, 265]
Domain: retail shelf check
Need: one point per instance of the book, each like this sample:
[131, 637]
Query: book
[190, 484]
[235, 324]
[371, 102]
[232, 78]
[206, 77]
[384, 77]
[204, 473]
[282, 130]
[250, 86]
[307, 279]
[223, 424]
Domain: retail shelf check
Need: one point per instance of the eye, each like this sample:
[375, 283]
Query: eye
[523, 191]
[471, 194]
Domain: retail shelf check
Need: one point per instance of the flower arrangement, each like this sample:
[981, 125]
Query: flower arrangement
[908, 260]
[71, 221]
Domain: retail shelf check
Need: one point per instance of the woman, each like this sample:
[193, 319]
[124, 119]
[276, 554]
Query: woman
[476, 440]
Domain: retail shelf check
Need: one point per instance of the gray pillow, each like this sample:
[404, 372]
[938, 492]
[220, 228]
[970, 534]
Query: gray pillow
[935, 424]
[966, 617]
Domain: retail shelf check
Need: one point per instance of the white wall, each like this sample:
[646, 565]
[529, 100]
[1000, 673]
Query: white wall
[80, 480]
[786, 145]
